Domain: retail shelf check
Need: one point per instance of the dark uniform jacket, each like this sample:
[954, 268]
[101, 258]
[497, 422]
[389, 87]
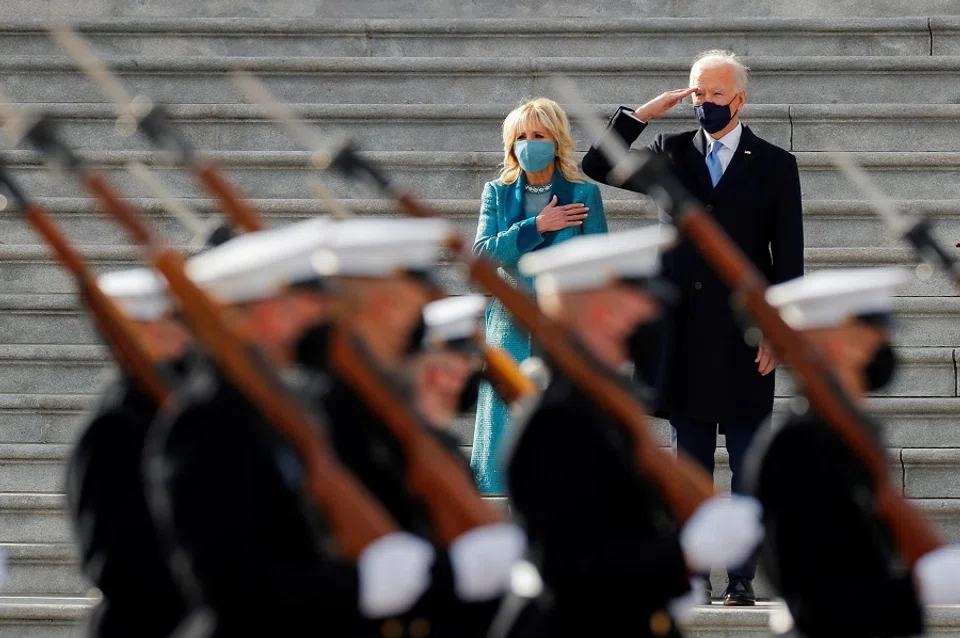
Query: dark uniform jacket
[707, 371]
[227, 491]
[606, 547]
[367, 447]
[119, 549]
[826, 551]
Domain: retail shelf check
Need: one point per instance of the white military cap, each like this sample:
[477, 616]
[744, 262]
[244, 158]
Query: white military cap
[139, 292]
[453, 321]
[594, 261]
[827, 298]
[259, 264]
[381, 247]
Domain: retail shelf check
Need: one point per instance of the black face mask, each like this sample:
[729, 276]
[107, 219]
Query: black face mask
[470, 392]
[879, 371]
[415, 340]
[713, 117]
[313, 347]
[644, 343]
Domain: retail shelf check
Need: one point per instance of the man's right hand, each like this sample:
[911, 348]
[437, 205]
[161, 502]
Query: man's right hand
[658, 106]
[555, 217]
[394, 573]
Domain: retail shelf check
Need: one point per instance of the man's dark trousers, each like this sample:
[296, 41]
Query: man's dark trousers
[698, 439]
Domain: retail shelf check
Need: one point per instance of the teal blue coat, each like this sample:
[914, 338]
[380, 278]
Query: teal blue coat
[505, 233]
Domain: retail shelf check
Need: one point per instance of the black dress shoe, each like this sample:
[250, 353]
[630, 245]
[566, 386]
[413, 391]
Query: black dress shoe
[739, 592]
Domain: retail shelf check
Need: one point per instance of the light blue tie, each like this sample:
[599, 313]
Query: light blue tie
[713, 162]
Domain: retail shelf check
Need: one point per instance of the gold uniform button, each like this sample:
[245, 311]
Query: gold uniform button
[392, 628]
[419, 628]
[660, 623]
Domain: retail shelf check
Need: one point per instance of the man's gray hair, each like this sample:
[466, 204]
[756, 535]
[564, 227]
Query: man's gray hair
[719, 57]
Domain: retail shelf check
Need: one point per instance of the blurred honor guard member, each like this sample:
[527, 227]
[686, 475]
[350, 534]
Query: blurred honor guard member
[228, 487]
[384, 269]
[119, 548]
[449, 370]
[709, 376]
[612, 559]
[827, 552]
[540, 199]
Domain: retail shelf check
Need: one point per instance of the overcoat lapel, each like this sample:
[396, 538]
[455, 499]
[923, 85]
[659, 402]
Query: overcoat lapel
[697, 165]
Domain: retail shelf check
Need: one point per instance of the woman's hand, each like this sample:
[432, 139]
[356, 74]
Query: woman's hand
[555, 217]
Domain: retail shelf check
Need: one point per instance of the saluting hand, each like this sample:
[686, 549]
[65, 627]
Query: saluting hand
[555, 217]
[658, 106]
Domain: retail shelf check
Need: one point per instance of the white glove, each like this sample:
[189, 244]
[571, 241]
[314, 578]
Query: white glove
[482, 559]
[722, 532]
[681, 607]
[394, 574]
[938, 576]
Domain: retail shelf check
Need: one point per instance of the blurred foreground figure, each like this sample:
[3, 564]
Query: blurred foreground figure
[827, 551]
[119, 549]
[384, 271]
[612, 559]
[227, 488]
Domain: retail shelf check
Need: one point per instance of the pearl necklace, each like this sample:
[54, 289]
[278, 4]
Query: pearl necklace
[537, 190]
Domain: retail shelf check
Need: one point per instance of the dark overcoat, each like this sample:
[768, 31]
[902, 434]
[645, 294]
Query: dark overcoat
[119, 548]
[707, 370]
[826, 551]
[605, 545]
[227, 491]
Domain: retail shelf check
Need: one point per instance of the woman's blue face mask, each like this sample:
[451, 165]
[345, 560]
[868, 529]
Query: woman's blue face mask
[534, 155]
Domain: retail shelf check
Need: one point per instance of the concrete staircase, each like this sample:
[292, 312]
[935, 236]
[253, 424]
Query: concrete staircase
[425, 98]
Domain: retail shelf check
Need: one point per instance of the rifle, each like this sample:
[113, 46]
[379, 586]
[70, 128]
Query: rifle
[154, 122]
[915, 231]
[355, 517]
[682, 484]
[646, 172]
[433, 474]
[116, 328]
[504, 374]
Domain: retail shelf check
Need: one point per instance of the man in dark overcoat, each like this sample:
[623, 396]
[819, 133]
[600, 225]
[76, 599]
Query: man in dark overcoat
[709, 377]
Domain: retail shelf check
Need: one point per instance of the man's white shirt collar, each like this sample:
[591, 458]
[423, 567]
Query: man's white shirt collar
[730, 141]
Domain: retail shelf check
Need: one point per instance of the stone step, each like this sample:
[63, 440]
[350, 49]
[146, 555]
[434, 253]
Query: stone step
[721, 9]
[339, 80]
[33, 467]
[43, 616]
[29, 270]
[43, 569]
[495, 37]
[907, 422]
[476, 127]
[43, 418]
[439, 175]
[84, 369]
[33, 518]
[827, 223]
[921, 372]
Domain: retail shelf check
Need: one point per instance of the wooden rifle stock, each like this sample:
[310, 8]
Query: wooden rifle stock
[433, 474]
[244, 217]
[353, 514]
[683, 484]
[915, 537]
[502, 372]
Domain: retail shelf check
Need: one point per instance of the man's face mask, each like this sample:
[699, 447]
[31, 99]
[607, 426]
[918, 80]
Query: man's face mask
[879, 372]
[312, 349]
[714, 117]
[470, 392]
[644, 343]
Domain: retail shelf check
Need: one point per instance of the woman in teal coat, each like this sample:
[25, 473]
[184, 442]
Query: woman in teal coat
[541, 198]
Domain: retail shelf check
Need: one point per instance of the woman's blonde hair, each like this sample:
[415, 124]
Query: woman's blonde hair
[548, 114]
